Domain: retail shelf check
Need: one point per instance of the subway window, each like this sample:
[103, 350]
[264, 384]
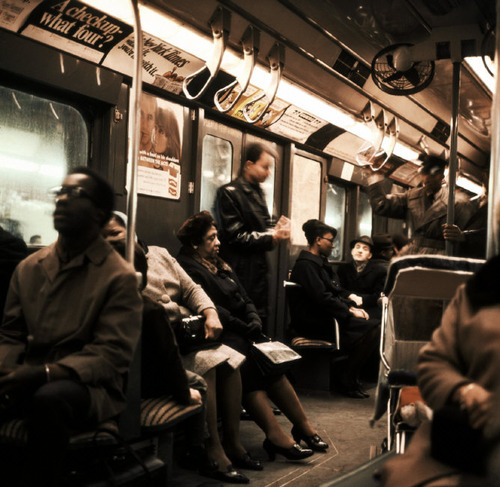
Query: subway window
[335, 216]
[306, 180]
[216, 168]
[39, 141]
[364, 226]
[268, 188]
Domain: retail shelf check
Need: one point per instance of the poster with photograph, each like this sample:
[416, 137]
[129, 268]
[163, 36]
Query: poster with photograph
[160, 147]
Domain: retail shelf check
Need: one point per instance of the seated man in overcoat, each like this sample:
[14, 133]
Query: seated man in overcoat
[71, 324]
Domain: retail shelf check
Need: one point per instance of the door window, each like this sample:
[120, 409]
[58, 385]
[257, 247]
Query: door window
[216, 168]
[305, 195]
[335, 216]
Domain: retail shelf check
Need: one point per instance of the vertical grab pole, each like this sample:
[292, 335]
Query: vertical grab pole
[134, 107]
[452, 166]
[494, 182]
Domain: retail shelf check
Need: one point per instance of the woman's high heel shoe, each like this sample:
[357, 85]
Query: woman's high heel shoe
[314, 442]
[296, 452]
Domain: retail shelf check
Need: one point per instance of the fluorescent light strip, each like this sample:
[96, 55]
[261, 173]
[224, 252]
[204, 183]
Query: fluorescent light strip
[477, 65]
[184, 37]
[469, 185]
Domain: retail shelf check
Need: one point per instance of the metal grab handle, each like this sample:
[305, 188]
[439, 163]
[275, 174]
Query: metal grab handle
[383, 329]
[250, 42]
[276, 59]
[393, 129]
[220, 24]
[369, 152]
[381, 126]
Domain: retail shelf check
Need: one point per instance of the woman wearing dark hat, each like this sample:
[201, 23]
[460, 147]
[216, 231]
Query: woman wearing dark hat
[241, 326]
[322, 300]
[384, 249]
[361, 277]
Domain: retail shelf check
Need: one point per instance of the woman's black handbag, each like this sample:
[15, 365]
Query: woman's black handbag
[190, 331]
[273, 358]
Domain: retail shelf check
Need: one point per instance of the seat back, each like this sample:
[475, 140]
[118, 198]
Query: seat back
[292, 291]
[418, 289]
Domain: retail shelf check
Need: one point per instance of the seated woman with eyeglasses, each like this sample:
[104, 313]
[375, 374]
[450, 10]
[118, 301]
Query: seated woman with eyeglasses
[241, 326]
[321, 300]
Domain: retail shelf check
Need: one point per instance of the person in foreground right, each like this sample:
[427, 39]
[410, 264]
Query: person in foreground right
[458, 378]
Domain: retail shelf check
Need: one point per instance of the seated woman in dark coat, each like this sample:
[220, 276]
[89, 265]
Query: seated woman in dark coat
[363, 278]
[241, 325]
[322, 300]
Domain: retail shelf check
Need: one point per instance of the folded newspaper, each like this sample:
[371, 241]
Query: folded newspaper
[277, 352]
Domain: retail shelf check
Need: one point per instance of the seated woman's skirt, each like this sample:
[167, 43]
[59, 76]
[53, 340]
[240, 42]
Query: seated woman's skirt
[201, 361]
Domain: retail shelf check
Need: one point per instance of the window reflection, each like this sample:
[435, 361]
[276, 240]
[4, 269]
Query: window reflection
[216, 167]
[268, 188]
[364, 226]
[306, 180]
[39, 140]
[335, 216]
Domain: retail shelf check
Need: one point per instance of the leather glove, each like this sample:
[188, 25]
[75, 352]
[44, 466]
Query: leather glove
[254, 329]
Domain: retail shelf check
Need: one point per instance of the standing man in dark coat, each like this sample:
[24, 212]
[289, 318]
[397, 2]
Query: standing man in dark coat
[363, 278]
[424, 207]
[245, 226]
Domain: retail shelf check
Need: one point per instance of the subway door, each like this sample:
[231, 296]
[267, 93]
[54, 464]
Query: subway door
[218, 160]
[306, 199]
[165, 195]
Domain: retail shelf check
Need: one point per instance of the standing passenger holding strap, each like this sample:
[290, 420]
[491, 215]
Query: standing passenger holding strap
[245, 225]
[424, 207]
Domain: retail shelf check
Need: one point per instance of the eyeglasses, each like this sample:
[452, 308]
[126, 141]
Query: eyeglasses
[331, 240]
[72, 192]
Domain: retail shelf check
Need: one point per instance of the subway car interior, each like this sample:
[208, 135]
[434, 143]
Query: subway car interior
[339, 90]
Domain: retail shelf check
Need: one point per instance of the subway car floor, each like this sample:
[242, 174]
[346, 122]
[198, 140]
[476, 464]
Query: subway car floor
[341, 421]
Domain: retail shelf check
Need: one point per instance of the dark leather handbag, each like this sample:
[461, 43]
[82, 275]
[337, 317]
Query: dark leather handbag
[190, 331]
[272, 357]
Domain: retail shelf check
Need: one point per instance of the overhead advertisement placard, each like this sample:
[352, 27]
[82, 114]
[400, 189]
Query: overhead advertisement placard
[163, 64]
[76, 28]
[280, 118]
[297, 124]
[160, 147]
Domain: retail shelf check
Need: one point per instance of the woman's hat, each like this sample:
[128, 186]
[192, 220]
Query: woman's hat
[382, 241]
[364, 239]
[194, 228]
